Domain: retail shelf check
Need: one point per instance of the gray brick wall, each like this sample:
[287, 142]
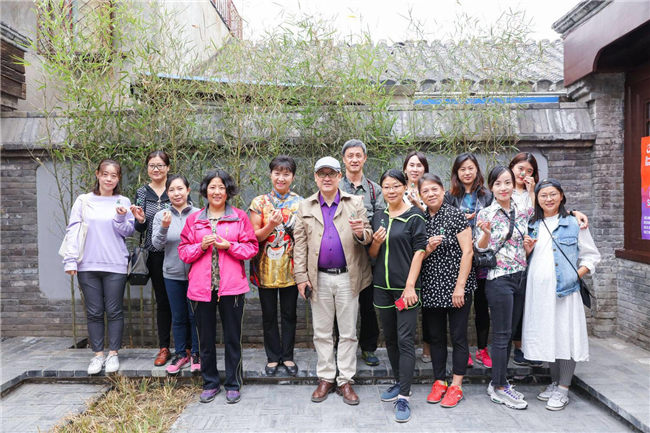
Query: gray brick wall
[633, 311]
[604, 95]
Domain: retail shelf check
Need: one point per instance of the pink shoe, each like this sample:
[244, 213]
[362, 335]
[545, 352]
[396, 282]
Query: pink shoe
[470, 362]
[195, 366]
[483, 357]
[180, 361]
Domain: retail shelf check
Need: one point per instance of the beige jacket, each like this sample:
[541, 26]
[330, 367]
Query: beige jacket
[308, 232]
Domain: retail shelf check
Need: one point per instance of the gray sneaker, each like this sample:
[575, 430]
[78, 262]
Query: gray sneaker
[557, 401]
[508, 397]
[96, 364]
[546, 394]
[112, 364]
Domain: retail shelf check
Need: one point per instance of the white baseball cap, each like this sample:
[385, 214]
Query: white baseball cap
[327, 162]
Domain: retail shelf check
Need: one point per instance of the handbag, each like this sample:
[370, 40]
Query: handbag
[585, 293]
[80, 241]
[138, 271]
[488, 258]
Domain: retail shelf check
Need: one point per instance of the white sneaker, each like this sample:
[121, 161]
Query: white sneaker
[509, 397]
[96, 364]
[490, 390]
[546, 394]
[112, 364]
[558, 401]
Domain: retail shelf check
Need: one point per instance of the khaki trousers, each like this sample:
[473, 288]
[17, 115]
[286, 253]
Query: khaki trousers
[335, 298]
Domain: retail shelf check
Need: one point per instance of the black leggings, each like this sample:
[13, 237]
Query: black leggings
[481, 314]
[435, 320]
[399, 331]
[163, 310]
[279, 347]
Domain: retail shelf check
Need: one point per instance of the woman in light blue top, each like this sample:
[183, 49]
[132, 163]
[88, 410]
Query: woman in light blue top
[166, 235]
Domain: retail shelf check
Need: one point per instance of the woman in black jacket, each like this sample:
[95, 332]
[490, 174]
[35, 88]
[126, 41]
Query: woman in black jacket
[468, 194]
[149, 199]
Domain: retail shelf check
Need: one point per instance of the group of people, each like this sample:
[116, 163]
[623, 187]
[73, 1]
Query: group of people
[354, 247]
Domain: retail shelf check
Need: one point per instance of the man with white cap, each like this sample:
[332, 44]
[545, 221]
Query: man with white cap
[331, 268]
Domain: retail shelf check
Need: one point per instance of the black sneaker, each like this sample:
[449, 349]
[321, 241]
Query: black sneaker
[370, 358]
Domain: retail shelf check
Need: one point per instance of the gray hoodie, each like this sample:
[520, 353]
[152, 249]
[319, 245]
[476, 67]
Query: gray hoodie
[168, 239]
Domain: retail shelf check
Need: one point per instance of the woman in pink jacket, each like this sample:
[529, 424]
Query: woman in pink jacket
[216, 241]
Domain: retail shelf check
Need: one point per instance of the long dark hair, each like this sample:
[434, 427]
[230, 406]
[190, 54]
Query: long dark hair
[527, 157]
[421, 156]
[539, 212]
[103, 163]
[457, 189]
[496, 172]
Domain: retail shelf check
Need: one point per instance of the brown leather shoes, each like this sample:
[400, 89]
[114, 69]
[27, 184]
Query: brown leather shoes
[162, 357]
[349, 396]
[323, 389]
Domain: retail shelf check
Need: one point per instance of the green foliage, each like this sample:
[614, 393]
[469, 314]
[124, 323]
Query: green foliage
[126, 79]
[125, 85]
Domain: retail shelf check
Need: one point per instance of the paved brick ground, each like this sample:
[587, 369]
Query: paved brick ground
[39, 407]
[617, 376]
[288, 408]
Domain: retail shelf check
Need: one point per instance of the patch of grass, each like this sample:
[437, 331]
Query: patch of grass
[133, 405]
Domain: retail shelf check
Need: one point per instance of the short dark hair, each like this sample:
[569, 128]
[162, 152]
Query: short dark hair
[395, 174]
[528, 157]
[430, 177]
[457, 189]
[539, 213]
[173, 177]
[421, 156]
[283, 162]
[158, 154]
[228, 181]
[496, 172]
[103, 163]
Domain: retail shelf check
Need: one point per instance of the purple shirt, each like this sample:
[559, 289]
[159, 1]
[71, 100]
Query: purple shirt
[331, 253]
[105, 249]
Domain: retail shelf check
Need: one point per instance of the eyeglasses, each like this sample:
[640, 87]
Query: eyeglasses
[156, 166]
[330, 174]
[551, 196]
[393, 187]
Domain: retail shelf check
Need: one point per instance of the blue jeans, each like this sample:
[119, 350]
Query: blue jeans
[183, 325]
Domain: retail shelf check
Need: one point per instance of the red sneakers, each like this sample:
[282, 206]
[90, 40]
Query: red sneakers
[470, 362]
[483, 357]
[437, 390]
[453, 395]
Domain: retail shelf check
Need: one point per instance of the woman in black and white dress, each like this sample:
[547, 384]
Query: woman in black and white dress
[448, 281]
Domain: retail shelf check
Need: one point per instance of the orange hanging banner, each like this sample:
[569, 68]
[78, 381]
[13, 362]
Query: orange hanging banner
[645, 187]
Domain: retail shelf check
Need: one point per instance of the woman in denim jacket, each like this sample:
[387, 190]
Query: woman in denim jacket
[555, 328]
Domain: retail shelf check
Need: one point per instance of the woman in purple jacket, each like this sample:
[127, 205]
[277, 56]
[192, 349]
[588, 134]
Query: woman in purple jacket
[100, 264]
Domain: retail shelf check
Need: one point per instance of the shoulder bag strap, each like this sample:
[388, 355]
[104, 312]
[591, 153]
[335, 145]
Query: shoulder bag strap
[373, 195]
[511, 219]
[144, 198]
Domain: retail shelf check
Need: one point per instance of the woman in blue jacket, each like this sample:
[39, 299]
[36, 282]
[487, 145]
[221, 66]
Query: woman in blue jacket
[554, 326]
